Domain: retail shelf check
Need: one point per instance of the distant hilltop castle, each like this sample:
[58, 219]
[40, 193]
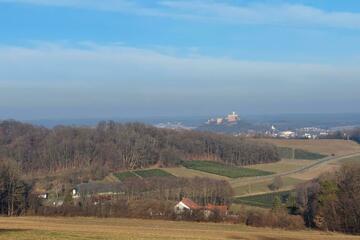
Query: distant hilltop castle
[231, 118]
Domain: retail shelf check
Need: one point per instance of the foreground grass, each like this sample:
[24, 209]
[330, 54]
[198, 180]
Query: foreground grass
[224, 170]
[34, 228]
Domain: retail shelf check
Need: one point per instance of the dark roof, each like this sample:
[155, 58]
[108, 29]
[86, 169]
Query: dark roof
[97, 187]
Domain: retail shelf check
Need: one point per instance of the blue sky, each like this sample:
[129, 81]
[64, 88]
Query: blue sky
[117, 58]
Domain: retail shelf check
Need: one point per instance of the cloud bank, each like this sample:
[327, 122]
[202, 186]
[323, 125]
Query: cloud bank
[123, 78]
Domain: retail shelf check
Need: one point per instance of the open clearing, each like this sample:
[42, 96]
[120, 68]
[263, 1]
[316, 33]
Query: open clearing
[323, 146]
[35, 228]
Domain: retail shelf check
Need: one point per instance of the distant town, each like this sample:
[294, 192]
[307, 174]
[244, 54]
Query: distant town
[234, 124]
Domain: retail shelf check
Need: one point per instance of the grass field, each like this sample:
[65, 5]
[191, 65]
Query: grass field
[282, 166]
[224, 170]
[123, 175]
[36, 228]
[264, 200]
[350, 160]
[322, 146]
[261, 186]
[294, 153]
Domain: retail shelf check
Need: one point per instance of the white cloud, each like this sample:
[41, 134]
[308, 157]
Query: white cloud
[86, 63]
[259, 13]
[122, 78]
[208, 10]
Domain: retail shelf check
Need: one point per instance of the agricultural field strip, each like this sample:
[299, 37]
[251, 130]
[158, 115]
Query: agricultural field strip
[225, 170]
[190, 173]
[246, 181]
[89, 228]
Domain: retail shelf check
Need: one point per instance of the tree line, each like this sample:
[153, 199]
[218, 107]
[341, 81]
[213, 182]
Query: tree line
[352, 134]
[122, 146]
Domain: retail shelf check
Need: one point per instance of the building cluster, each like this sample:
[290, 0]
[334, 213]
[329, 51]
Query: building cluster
[173, 126]
[304, 133]
[99, 192]
[229, 119]
[187, 205]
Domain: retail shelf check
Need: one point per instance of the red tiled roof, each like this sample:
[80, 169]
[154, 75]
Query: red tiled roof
[221, 208]
[190, 203]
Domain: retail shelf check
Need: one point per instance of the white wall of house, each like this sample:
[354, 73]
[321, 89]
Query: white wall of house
[181, 207]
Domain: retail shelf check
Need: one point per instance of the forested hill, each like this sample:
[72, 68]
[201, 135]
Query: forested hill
[122, 146]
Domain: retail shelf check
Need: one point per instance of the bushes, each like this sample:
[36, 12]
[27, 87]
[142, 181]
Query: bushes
[276, 184]
[275, 220]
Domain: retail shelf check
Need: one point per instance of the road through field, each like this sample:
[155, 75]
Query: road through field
[296, 172]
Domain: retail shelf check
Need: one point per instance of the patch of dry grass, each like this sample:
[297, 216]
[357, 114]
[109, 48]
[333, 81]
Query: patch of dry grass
[261, 186]
[282, 166]
[37, 228]
[350, 160]
[323, 146]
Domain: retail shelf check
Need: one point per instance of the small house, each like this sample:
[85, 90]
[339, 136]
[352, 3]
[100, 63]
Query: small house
[222, 210]
[186, 204]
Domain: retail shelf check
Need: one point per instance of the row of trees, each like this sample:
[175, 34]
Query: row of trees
[332, 202]
[352, 134]
[122, 146]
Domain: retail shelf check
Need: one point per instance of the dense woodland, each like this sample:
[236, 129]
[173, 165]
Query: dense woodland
[121, 146]
[332, 202]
